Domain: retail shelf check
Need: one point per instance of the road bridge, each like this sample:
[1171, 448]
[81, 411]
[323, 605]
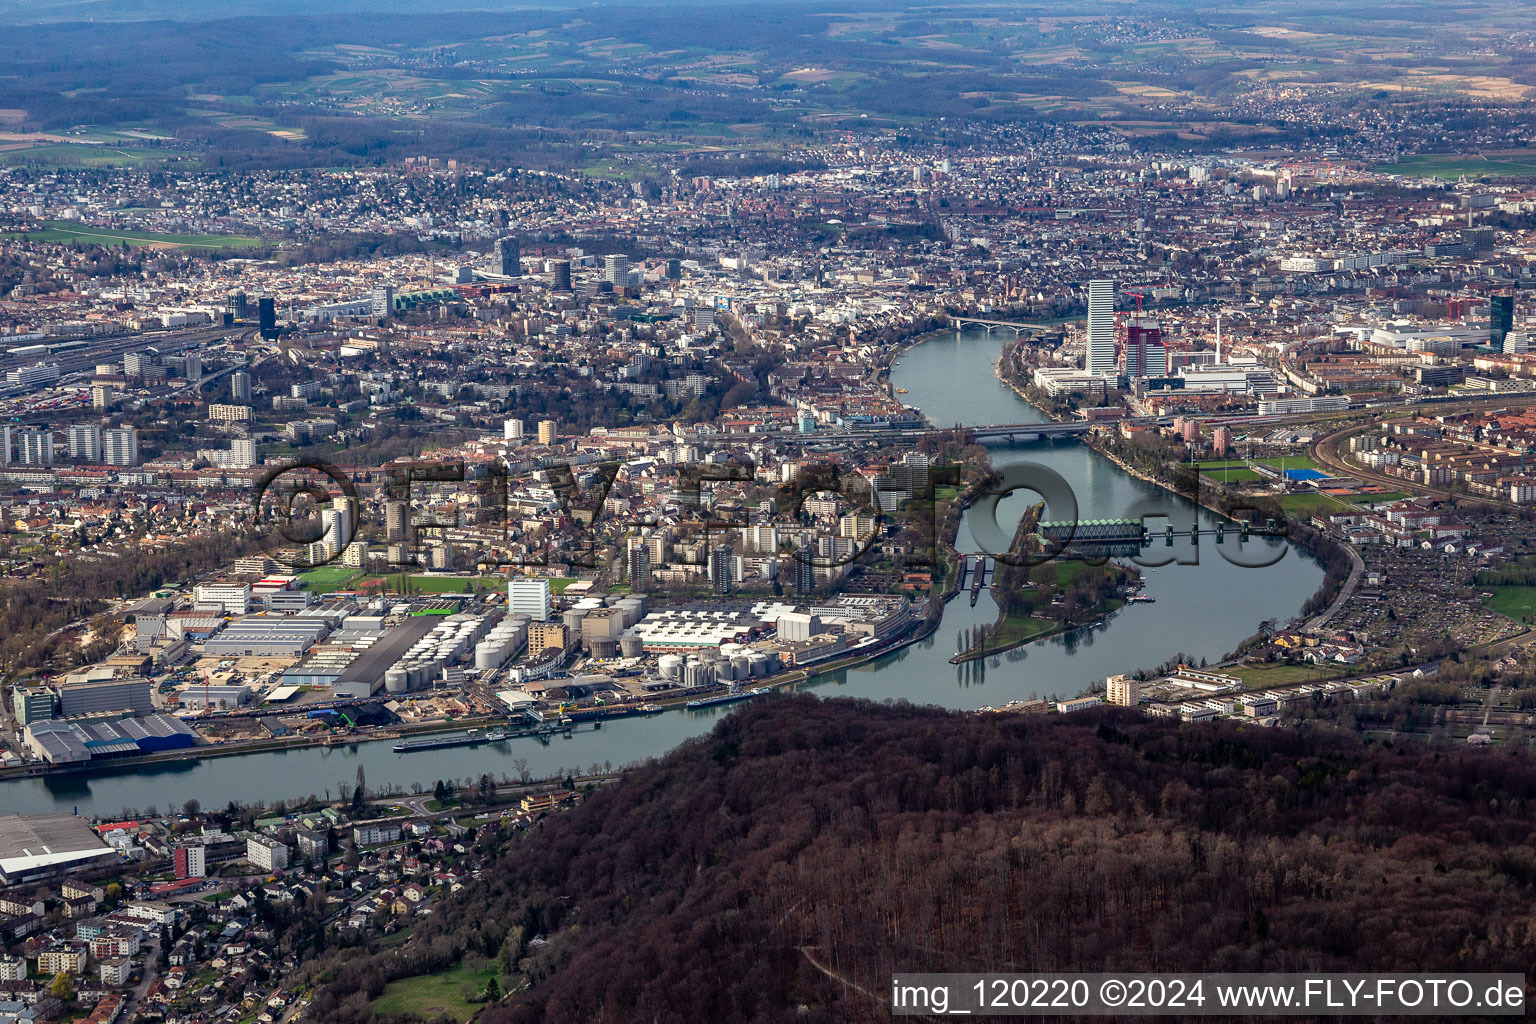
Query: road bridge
[962, 323]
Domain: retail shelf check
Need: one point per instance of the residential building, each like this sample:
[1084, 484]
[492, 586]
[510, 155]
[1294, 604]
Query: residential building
[266, 854]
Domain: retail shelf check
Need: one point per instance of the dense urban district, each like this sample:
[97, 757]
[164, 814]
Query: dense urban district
[575, 403]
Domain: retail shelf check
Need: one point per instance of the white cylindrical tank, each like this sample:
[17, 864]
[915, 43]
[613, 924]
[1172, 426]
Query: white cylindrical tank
[397, 680]
[489, 655]
[671, 666]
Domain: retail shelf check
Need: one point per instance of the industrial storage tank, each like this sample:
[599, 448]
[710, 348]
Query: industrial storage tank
[572, 619]
[671, 666]
[604, 647]
[397, 680]
[741, 666]
[630, 611]
[696, 673]
[632, 645]
[420, 674]
[758, 662]
[490, 655]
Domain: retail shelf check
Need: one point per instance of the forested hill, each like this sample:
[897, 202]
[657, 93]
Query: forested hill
[807, 843]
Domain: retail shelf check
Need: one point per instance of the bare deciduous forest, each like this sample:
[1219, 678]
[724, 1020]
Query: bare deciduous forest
[806, 843]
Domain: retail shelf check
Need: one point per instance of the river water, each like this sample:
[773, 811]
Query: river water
[1204, 606]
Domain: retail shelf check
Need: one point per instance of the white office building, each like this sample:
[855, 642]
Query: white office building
[530, 596]
[1101, 327]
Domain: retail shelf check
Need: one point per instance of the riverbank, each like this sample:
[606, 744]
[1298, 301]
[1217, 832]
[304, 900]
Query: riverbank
[988, 649]
[1302, 537]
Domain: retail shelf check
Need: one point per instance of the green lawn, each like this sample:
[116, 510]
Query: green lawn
[66, 231]
[328, 578]
[1016, 627]
[1311, 504]
[434, 995]
[69, 154]
[1454, 165]
[1517, 602]
[1258, 677]
[1291, 462]
[1236, 475]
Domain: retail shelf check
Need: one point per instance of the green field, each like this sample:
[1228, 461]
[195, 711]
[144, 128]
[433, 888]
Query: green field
[1454, 165]
[328, 578]
[1258, 677]
[65, 232]
[1516, 602]
[1291, 462]
[1228, 472]
[430, 584]
[1309, 504]
[1017, 630]
[65, 154]
[438, 995]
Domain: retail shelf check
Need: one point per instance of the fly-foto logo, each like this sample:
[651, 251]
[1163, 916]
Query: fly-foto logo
[309, 511]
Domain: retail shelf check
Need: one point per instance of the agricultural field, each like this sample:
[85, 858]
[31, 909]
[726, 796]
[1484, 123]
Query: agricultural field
[72, 154]
[68, 232]
[1451, 166]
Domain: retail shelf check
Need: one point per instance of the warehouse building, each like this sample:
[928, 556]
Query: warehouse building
[79, 741]
[216, 698]
[261, 636]
[113, 695]
[35, 846]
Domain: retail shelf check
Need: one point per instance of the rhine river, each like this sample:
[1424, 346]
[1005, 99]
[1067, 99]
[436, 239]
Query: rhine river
[1201, 609]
